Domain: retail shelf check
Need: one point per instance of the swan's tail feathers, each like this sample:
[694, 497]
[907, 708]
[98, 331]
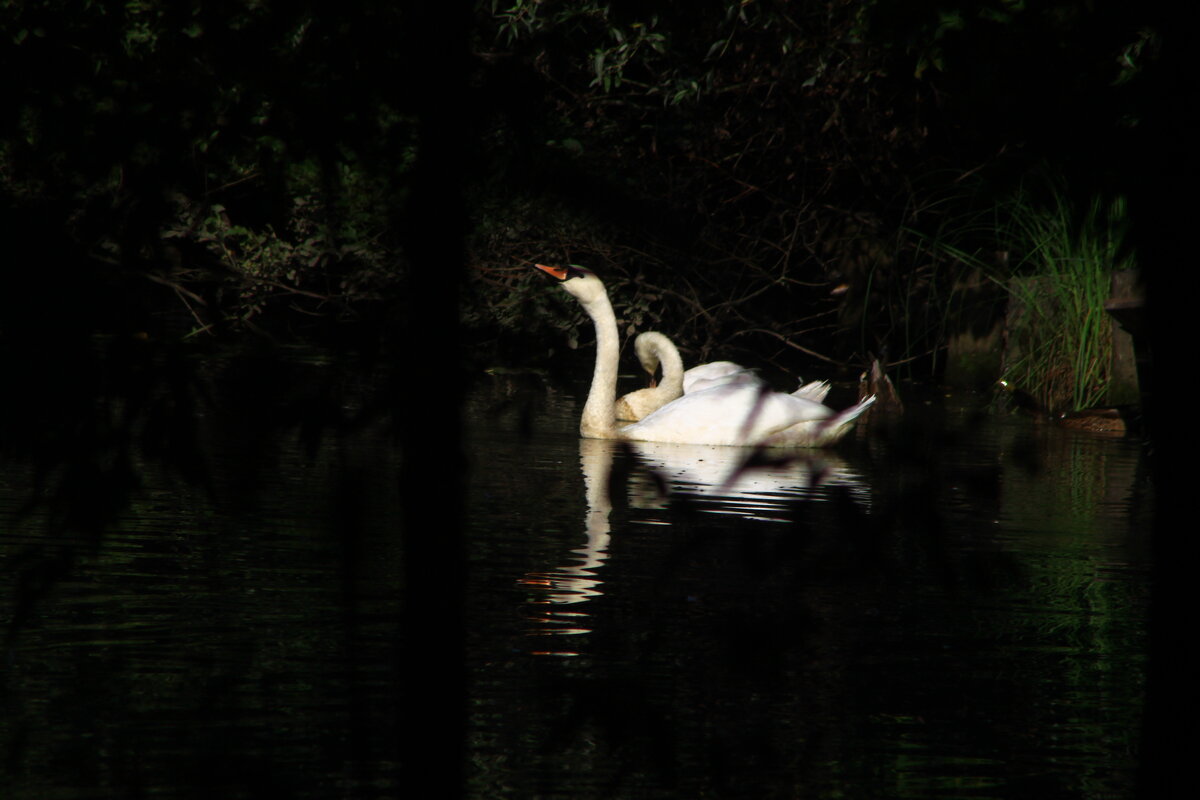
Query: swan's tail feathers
[819, 432]
[837, 426]
[813, 390]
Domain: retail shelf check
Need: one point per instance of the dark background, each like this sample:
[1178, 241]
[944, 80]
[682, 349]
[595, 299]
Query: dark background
[411, 160]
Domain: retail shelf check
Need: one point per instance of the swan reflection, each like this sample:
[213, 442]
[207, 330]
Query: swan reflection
[735, 480]
[576, 580]
[721, 480]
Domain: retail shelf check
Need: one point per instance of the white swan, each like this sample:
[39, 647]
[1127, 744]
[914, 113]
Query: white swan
[735, 414]
[654, 349]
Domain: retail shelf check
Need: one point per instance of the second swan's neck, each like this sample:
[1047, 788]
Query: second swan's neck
[662, 351]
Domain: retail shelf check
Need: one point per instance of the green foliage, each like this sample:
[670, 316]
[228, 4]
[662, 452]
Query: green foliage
[619, 48]
[512, 236]
[1136, 54]
[735, 169]
[684, 53]
[741, 133]
[1064, 349]
[1055, 262]
[230, 152]
[330, 254]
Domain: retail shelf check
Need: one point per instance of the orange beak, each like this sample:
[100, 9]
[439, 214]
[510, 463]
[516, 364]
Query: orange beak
[559, 273]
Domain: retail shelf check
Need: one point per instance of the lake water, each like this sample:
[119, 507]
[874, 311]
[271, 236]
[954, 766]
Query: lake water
[955, 607]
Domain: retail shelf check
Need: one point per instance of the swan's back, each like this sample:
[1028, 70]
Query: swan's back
[705, 376]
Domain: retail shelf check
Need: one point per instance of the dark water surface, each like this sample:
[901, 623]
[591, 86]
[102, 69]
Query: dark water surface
[953, 609]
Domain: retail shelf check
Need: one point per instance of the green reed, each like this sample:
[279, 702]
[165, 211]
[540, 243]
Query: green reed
[1055, 261]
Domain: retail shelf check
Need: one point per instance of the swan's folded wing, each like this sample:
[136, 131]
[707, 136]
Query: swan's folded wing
[704, 376]
[737, 414]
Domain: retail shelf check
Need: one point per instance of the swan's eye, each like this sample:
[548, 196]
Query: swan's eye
[577, 272]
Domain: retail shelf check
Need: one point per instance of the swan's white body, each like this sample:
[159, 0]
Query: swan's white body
[654, 349]
[734, 413]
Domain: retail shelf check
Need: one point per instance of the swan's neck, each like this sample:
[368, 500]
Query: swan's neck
[599, 412]
[672, 367]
